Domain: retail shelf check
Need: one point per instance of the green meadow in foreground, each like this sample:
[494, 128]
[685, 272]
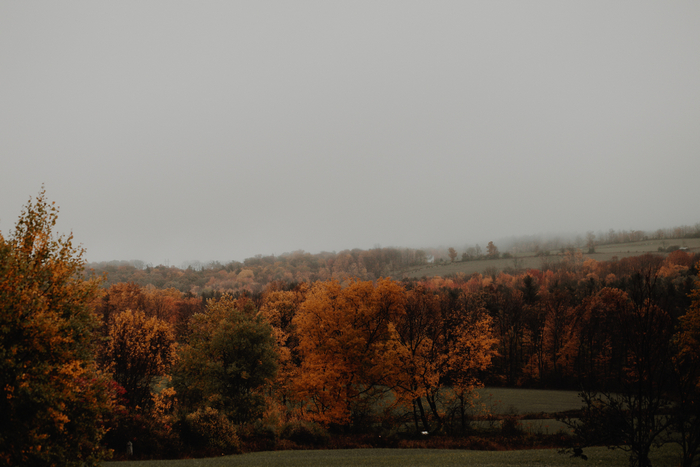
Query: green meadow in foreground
[666, 456]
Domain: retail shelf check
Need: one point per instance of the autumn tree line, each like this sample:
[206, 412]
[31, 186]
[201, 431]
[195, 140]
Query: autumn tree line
[86, 369]
[253, 274]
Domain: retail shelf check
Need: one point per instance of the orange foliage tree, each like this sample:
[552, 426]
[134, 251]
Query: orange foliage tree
[594, 352]
[550, 332]
[492, 250]
[508, 312]
[452, 253]
[139, 349]
[686, 364]
[441, 342]
[53, 401]
[160, 303]
[169, 305]
[279, 308]
[348, 345]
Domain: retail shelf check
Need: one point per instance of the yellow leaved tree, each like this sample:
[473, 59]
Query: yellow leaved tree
[279, 308]
[443, 341]
[347, 342]
[139, 349]
[52, 398]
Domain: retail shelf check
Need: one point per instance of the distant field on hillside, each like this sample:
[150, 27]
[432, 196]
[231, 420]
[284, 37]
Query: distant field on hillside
[621, 250]
[529, 261]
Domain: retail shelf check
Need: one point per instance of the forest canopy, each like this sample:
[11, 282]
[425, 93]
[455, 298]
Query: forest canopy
[251, 358]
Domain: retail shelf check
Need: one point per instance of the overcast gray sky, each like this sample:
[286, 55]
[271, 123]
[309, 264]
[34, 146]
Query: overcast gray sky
[177, 131]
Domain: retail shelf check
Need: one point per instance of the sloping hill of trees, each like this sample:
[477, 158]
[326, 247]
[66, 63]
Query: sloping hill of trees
[306, 347]
[255, 273]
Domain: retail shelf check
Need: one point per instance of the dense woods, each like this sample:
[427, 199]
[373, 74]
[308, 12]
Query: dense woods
[204, 363]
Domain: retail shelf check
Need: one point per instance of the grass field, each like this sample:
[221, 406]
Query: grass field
[529, 401]
[666, 456]
[535, 406]
[528, 261]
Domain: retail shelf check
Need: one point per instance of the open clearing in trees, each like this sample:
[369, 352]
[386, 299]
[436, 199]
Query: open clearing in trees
[530, 261]
[528, 401]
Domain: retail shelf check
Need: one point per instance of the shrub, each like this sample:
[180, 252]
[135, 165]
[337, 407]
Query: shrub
[305, 433]
[208, 428]
[510, 425]
[259, 436]
[264, 430]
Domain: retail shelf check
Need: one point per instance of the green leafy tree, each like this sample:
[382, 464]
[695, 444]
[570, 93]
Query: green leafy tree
[230, 359]
[52, 398]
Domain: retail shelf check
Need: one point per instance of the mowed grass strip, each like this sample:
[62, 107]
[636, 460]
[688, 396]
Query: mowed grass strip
[666, 456]
[528, 401]
[537, 407]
